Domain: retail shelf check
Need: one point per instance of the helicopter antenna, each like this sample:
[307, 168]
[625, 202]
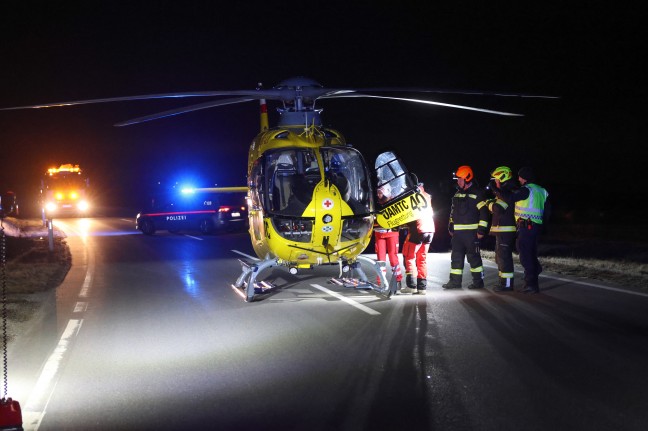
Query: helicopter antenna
[264, 111]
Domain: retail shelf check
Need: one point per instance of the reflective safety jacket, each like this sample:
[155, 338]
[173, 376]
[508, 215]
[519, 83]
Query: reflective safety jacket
[503, 212]
[425, 223]
[530, 202]
[422, 229]
[469, 211]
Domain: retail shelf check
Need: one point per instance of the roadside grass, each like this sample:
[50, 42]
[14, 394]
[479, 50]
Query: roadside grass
[623, 273]
[30, 268]
[610, 254]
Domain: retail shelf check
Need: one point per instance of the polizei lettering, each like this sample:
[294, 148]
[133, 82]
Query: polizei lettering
[176, 217]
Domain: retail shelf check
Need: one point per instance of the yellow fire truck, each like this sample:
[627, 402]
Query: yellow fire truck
[64, 192]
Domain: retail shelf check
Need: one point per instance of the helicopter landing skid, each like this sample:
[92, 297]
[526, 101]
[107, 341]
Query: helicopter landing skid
[352, 282]
[260, 287]
[246, 282]
[362, 282]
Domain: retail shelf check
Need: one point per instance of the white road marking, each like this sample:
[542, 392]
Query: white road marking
[245, 255]
[40, 396]
[347, 300]
[87, 281]
[599, 286]
[584, 283]
[80, 307]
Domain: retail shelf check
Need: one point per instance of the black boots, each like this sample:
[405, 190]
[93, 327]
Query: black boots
[476, 284]
[454, 283]
[504, 285]
[410, 287]
[421, 286]
[409, 281]
[478, 281]
[531, 286]
[532, 290]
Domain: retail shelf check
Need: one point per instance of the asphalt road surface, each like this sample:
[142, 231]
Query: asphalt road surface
[146, 333]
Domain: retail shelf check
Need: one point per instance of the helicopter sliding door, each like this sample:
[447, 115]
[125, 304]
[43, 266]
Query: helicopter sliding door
[399, 192]
[391, 171]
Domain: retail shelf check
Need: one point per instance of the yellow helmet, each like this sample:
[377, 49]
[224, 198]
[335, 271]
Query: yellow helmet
[464, 172]
[502, 173]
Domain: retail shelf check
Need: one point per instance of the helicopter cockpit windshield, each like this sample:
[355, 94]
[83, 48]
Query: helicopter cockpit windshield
[293, 173]
[346, 168]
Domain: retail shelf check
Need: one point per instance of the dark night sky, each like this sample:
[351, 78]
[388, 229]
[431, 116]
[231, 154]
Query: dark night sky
[582, 145]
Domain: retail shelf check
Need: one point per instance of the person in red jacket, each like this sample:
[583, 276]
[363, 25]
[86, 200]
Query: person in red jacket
[417, 243]
[386, 240]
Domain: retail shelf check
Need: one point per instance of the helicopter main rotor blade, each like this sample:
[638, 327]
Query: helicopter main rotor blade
[443, 91]
[183, 110]
[253, 94]
[300, 93]
[427, 102]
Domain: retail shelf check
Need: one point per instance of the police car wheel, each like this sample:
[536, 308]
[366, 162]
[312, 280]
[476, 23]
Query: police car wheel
[147, 227]
[206, 227]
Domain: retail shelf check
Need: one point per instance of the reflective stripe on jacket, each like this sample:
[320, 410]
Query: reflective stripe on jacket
[532, 207]
[503, 217]
[469, 211]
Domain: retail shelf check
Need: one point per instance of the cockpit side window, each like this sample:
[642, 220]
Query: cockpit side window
[256, 185]
[292, 175]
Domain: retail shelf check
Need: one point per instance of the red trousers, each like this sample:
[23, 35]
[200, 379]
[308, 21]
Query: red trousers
[387, 245]
[415, 259]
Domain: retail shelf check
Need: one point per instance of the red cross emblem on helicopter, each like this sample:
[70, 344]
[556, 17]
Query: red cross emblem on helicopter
[327, 203]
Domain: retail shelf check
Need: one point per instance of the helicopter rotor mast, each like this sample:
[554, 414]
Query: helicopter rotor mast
[298, 97]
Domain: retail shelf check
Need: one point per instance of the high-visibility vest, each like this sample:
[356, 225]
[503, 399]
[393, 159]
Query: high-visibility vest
[533, 206]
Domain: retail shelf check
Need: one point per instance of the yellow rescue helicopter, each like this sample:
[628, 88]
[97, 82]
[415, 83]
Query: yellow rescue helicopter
[311, 195]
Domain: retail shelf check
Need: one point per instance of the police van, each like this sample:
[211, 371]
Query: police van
[206, 212]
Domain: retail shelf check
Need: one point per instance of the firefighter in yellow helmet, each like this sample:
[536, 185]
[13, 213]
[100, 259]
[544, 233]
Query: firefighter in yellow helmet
[503, 225]
[467, 226]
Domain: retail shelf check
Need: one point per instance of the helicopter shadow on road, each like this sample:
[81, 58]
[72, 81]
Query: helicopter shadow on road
[298, 285]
